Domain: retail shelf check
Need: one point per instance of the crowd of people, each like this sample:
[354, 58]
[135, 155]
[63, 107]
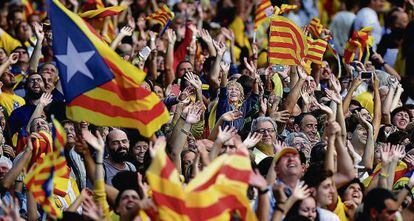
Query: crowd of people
[332, 144]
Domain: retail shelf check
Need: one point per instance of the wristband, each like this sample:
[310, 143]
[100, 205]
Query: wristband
[262, 192]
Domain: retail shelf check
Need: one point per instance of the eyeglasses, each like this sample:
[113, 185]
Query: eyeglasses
[32, 80]
[264, 130]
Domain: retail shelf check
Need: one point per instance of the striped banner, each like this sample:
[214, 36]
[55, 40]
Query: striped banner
[217, 193]
[287, 43]
[315, 27]
[161, 16]
[316, 50]
[264, 10]
[102, 12]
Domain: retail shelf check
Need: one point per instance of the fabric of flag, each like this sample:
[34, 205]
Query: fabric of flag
[40, 181]
[161, 16]
[358, 44]
[28, 8]
[92, 5]
[284, 8]
[287, 43]
[42, 145]
[264, 10]
[400, 170]
[59, 135]
[316, 50]
[217, 193]
[102, 12]
[315, 27]
[99, 86]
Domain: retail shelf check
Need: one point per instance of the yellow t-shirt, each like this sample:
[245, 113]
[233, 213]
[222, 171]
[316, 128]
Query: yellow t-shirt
[239, 37]
[10, 102]
[8, 42]
[340, 210]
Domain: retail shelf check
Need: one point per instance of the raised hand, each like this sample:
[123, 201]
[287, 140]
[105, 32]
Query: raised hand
[332, 128]
[194, 114]
[131, 22]
[126, 31]
[38, 29]
[220, 48]
[324, 108]
[252, 139]
[91, 210]
[45, 99]
[386, 154]
[280, 116]
[398, 152]
[301, 191]
[231, 115]
[205, 36]
[13, 58]
[336, 85]
[334, 96]
[257, 180]
[263, 105]
[96, 142]
[193, 79]
[226, 134]
[364, 121]
[171, 36]
[278, 145]
[160, 143]
[251, 67]
[301, 72]
[225, 67]
[185, 93]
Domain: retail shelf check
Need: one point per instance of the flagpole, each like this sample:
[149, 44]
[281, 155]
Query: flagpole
[165, 28]
[254, 37]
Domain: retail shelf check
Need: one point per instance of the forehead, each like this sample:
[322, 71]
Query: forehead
[117, 135]
[141, 143]
[39, 120]
[185, 65]
[309, 119]
[129, 193]
[354, 185]
[264, 124]
[48, 67]
[35, 76]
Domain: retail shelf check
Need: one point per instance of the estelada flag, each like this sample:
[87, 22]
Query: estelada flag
[99, 86]
[217, 193]
[287, 43]
[161, 16]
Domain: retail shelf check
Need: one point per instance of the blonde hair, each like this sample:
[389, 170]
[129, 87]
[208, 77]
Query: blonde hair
[238, 86]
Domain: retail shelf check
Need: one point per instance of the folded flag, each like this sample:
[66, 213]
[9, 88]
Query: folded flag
[316, 50]
[161, 16]
[102, 12]
[217, 193]
[287, 43]
[28, 8]
[263, 11]
[99, 86]
[284, 8]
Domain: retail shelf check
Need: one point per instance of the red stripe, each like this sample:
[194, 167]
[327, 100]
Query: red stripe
[259, 18]
[106, 108]
[262, 7]
[281, 34]
[168, 168]
[313, 58]
[107, 13]
[295, 31]
[315, 50]
[204, 213]
[282, 56]
[119, 75]
[230, 172]
[126, 94]
[283, 45]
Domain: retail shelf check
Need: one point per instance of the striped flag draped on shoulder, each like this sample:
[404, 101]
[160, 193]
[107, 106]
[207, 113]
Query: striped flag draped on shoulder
[217, 193]
[287, 43]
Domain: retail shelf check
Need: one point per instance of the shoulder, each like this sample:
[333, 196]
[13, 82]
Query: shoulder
[325, 215]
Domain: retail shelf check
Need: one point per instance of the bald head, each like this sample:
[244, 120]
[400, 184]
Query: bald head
[117, 139]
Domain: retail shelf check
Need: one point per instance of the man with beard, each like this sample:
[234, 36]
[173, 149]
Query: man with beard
[118, 148]
[8, 99]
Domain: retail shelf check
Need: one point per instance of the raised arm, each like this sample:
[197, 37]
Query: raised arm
[13, 58]
[153, 57]
[368, 157]
[346, 171]
[125, 31]
[37, 53]
[44, 100]
[229, 117]
[169, 59]
[214, 74]
[223, 136]
[206, 37]
[294, 94]
[376, 120]
[347, 100]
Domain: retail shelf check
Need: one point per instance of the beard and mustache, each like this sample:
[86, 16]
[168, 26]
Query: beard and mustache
[119, 156]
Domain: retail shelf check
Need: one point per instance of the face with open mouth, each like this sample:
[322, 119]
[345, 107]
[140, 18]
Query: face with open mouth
[233, 94]
[325, 192]
[128, 202]
[401, 119]
[354, 193]
[35, 84]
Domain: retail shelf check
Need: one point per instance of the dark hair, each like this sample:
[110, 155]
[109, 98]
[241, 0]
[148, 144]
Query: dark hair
[351, 123]
[391, 16]
[299, 118]
[375, 200]
[350, 4]
[400, 109]
[381, 133]
[315, 175]
[317, 155]
[397, 137]
[364, 3]
[293, 213]
[341, 191]
[118, 197]
[264, 166]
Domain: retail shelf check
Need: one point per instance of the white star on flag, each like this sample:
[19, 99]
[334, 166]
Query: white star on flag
[75, 61]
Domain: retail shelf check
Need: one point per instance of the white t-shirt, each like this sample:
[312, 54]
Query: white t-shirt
[326, 215]
[340, 27]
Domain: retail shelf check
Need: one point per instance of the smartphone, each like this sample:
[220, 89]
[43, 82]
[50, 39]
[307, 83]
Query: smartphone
[144, 53]
[278, 68]
[366, 74]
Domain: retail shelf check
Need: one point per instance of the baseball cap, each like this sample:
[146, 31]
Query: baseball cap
[285, 151]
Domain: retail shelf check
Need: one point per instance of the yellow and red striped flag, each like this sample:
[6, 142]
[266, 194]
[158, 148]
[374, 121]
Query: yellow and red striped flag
[316, 50]
[315, 27]
[28, 8]
[284, 8]
[217, 193]
[287, 43]
[40, 179]
[99, 86]
[162, 15]
[264, 10]
[358, 44]
[102, 12]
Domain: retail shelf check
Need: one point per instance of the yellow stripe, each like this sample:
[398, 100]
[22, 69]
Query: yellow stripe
[166, 213]
[78, 114]
[146, 103]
